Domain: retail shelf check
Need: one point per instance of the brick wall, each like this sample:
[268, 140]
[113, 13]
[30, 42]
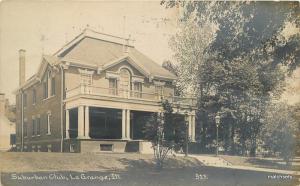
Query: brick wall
[40, 109]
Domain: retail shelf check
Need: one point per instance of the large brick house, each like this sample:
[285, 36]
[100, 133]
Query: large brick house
[94, 94]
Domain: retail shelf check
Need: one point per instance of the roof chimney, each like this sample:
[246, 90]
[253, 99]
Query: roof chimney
[22, 66]
[126, 50]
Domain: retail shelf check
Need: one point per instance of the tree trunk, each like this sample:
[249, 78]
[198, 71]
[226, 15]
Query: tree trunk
[253, 148]
[243, 145]
[232, 148]
[159, 165]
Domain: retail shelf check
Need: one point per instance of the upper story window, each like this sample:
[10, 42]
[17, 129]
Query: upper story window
[113, 86]
[159, 89]
[125, 79]
[52, 86]
[25, 129]
[86, 77]
[49, 85]
[45, 90]
[137, 87]
[24, 100]
[33, 96]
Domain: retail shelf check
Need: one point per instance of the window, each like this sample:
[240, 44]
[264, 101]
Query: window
[25, 129]
[25, 100]
[49, 148]
[48, 84]
[45, 89]
[48, 123]
[33, 96]
[159, 89]
[52, 86]
[137, 87]
[33, 127]
[106, 147]
[113, 86]
[86, 79]
[72, 147]
[38, 126]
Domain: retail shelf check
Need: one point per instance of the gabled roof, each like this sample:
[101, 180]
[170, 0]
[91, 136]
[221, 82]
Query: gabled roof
[100, 51]
[95, 49]
[46, 60]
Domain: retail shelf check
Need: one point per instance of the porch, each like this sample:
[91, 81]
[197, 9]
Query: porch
[110, 129]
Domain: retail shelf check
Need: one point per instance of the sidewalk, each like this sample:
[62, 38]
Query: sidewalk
[216, 161]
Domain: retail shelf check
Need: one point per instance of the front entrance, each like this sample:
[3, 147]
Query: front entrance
[138, 123]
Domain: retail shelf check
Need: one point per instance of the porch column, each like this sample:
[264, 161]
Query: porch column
[87, 122]
[128, 124]
[190, 126]
[123, 124]
[80, 122]
[67, 124]
[193, 128]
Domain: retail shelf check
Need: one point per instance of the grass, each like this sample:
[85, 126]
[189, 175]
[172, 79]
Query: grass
[260, 162]
[44, 161]
[133, 168]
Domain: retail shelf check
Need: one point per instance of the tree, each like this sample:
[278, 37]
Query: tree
[279, 131]
[255, 28]
[239, 69]
[189, 46]
[165, 132]
[296, 117]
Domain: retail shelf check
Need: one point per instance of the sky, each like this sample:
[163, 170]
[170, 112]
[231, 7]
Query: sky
[43, 27]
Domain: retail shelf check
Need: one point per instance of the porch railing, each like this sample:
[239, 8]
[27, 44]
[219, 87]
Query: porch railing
[128, 94]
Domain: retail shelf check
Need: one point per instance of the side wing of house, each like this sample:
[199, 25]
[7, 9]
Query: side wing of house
[41, 113]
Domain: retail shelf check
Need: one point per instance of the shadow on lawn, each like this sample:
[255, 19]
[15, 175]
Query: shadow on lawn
[169, 163]
[267, 164]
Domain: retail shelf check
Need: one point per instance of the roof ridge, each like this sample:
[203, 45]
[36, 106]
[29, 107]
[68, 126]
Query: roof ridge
[108, 37]
[86, 30]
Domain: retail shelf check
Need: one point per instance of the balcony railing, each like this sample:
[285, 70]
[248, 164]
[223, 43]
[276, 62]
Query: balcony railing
[128, 94]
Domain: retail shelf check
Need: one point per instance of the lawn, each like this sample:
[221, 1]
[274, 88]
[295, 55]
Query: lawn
[272, 163]
[44, 161]
[128, 169]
